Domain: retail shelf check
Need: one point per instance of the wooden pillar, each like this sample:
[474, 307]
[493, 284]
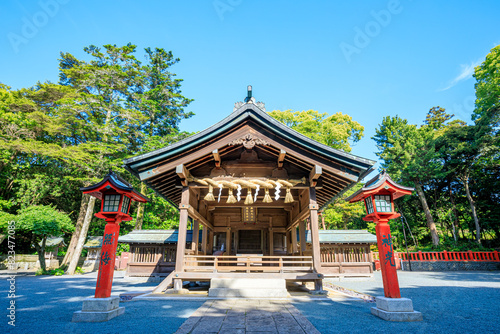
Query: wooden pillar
[313, 209]
[236, 241]
[302, 237]
[271, 237]
[288, 235]
[262, 243]
[210, 245]
[204, 237]
[196, 237]
[228, 240]
[181, 239]
[294, 240]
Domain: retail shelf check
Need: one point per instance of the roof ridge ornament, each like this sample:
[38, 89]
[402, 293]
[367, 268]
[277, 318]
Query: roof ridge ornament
[249, 99]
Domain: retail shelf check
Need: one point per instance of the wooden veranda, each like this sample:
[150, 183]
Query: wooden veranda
[250, 182]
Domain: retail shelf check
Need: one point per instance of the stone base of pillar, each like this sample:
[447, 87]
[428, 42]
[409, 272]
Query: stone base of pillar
[177, 292]
[318, 288]
[98, 310]
[395, 309]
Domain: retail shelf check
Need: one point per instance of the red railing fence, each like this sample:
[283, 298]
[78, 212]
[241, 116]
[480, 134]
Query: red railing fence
[446, 256]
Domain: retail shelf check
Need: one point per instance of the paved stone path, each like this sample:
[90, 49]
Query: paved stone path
[237, 316]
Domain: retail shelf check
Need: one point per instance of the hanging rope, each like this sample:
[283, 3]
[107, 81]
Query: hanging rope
[239, 183]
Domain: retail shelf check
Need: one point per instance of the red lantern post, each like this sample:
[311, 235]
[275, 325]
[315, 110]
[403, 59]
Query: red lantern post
[379, 195]
[116, 195]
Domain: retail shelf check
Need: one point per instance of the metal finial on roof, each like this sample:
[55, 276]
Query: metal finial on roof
[249, 94]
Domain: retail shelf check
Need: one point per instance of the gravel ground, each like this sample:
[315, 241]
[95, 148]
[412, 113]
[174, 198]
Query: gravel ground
[45, 304]
[450, 302]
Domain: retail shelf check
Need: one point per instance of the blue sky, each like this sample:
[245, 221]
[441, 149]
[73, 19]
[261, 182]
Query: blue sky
[365, 59]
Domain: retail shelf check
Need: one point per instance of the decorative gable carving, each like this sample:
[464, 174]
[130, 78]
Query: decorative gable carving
[249, 141]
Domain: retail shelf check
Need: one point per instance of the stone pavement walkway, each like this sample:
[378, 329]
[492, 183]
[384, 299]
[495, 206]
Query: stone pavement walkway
[235, 316]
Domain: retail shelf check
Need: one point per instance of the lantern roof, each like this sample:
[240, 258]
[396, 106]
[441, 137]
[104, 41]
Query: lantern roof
[116, 182]
[375, 185]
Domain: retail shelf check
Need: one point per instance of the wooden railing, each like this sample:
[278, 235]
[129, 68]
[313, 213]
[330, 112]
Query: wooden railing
[345, 253]
[248, 263]
[446, 256]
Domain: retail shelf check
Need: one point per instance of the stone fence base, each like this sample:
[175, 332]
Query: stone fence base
[450, 265]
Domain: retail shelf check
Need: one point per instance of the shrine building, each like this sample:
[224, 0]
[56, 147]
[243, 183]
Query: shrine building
[248, 184]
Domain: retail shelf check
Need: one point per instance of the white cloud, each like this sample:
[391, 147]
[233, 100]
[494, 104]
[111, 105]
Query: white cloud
[466, 73]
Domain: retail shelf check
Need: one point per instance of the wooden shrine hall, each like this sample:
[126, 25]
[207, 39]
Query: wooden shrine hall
[251, 183]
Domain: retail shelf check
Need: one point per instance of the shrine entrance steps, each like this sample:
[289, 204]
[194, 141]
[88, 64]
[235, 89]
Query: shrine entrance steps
[248, 288]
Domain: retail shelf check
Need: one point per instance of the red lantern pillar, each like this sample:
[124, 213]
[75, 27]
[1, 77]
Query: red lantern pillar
[386, 257]
[107, 258]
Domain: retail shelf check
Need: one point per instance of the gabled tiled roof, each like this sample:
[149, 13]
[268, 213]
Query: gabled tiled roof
[343, 237]
[341, 170]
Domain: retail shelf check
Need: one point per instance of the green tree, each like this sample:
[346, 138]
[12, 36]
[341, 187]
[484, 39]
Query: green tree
[463, 153]
[344, 215]
[128, 104]
[409, 155]
[338, 130]
[42, 222]
[487, 75]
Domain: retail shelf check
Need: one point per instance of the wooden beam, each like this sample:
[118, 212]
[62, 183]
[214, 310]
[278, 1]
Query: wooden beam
[314, 175]
[183, 173]
[216, 155]
[276, 204]
[297, 219]
[281, 158]
[198, 216]
[235, 228]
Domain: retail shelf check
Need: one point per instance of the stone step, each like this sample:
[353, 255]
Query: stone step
[248, 288]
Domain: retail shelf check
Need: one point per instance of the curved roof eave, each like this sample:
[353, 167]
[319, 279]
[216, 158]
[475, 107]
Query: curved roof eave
[248, 110]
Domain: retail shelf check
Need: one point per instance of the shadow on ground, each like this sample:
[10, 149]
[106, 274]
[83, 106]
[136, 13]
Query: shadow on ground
[450, 302]
[45, 304]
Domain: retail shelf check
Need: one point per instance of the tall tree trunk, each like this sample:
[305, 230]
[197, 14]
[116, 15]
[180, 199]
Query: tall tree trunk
[81, 239]
[454, 209]
[428, 216]
[465, 181]
[41, 252]
[140, 209]
[78, 228]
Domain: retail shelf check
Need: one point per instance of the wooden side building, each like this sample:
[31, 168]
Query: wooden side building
[251, 182]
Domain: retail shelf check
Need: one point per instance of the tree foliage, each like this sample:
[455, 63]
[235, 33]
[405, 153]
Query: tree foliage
[41, 222]
[338, 130]
[107, 106]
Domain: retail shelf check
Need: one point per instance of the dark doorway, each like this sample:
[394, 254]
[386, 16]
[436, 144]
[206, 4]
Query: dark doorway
[249, 242]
